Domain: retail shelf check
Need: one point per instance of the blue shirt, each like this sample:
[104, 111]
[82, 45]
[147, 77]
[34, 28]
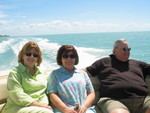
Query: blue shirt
[70, 87]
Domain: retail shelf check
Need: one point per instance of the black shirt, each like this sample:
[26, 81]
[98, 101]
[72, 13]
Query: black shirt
[121, 80]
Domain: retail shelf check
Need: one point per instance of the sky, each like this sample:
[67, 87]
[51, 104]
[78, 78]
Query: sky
[42, 17]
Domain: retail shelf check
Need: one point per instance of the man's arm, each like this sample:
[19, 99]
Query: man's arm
[84, 69]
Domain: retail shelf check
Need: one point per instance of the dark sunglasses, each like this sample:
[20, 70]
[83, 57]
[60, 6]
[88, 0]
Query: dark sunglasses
[34, 55]
[126, 49]
[68, 56]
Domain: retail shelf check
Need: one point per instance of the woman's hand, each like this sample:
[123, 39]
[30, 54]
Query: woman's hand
[48, 107]
[69, 110]
[82, 109]
[40, 105]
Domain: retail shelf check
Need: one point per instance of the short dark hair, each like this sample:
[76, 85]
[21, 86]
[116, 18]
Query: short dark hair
[64, 49]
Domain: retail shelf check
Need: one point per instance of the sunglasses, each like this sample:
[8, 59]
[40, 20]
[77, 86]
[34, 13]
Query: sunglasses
[68, 56]
[126, 49]
[34, 55]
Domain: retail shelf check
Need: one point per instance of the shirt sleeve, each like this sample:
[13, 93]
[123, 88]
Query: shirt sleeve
[52, 84]
[89, 85]
[94, 68]
[146, 69]
[15, 90]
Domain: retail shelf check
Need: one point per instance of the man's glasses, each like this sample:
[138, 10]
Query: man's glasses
[126, 49]
[68, 56]
[34, 55]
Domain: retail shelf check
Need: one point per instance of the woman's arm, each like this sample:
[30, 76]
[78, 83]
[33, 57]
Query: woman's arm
[40, 105]
[57, 102]
[88, 102]
[84, 69]
[15, 89]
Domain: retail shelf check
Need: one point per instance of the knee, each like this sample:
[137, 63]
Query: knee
[148, 110]
[119, 111]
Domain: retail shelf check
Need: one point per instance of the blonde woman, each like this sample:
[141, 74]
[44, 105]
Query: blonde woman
[27, 84]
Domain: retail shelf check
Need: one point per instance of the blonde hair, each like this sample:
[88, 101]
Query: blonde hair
[26, 48]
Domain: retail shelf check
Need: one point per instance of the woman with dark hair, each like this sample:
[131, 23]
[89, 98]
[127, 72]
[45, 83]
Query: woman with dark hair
[26, 84]
[70, 89]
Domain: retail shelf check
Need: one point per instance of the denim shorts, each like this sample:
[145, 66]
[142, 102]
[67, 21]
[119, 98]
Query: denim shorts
[132, 105]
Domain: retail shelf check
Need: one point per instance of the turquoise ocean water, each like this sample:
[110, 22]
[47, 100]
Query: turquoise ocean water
[90, 47]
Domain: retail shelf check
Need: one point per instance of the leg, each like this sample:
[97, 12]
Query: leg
[31, 109]
[148, 110]
[108, 105]
[34, 109]
[97, 109]
[120, 111]
[146, 106]
[91, 110]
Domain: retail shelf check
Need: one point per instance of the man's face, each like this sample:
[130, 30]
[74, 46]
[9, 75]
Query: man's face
[122, 52]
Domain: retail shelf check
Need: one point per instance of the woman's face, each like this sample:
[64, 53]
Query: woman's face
[30, 58]
[68, 60]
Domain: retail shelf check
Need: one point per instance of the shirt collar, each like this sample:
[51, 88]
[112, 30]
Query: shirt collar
[62, 69]
[114, 57]
[23, 68]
